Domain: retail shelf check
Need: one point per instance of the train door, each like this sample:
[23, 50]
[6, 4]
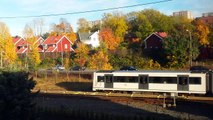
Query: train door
[108, 81]
[210, 85]
[183, 83]
[143, 82]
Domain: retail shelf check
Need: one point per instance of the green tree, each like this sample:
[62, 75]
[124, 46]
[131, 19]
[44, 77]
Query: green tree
[177, 49]
[159, 21]
[117, 23]
[140, 26]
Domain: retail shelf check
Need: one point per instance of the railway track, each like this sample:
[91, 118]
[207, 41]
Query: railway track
[124, 97]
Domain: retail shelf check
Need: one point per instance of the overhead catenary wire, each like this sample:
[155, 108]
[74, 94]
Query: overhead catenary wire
[82, 12]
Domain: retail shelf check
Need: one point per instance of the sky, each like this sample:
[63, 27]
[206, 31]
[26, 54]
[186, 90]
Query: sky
[16, 8]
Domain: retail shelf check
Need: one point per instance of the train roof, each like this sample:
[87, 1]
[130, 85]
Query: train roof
[145, 71]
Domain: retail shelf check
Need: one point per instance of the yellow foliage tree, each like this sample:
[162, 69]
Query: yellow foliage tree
[99, 61]
[117, 23]
[7, 48]
[202, 31]
[32, 53]
[72, 36]
[81, 54]
[153, 64]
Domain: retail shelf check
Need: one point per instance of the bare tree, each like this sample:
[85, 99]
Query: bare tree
[38, 26]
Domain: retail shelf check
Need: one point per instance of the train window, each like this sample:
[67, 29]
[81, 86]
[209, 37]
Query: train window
[119, 79]
[109, 79]
[170, 80]
[143, 79]
[100, 78]
[125, 79]
[195, 80]
[183, 80]
[132, 79]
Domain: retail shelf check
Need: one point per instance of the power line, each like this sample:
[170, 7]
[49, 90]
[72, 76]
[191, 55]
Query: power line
[87, 11]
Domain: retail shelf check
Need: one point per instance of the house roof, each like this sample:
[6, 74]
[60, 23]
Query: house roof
[54, 39]
[17, 39]
[51, 49]
[38, 40]
[22, 50]
[40, 49]
[22, 43]
[84, 36]
[161, 35]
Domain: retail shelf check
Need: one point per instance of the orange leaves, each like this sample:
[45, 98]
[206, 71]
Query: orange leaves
[99, 61]
[107, 36]
[202, 31]
[71, 36]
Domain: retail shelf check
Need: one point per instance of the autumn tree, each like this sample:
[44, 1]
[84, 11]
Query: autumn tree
[117, 23]
[63, 28]
[82, 52]
[107, 37]
[100, 61]
[7, 48]
[32, 53]
[83, 25]
[202, 31]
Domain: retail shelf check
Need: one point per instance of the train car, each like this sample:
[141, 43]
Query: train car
[150, 81]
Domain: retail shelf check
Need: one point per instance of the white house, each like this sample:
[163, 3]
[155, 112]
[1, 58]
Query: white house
[90, 38]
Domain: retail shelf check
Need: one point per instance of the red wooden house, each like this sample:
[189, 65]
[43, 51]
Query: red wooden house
[22, 45]
[57, 44]
[39, 43]
[155, 40]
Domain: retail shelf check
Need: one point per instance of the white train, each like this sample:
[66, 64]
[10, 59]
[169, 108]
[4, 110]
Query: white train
[151, 81]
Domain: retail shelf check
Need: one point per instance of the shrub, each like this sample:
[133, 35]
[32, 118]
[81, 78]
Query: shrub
[15, 96]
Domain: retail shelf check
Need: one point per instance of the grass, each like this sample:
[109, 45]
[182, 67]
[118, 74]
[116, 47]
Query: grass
[54, 81]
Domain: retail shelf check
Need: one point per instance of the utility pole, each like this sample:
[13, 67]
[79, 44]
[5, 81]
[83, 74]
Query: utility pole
[190, 46]
[62, 56]
[1, 60]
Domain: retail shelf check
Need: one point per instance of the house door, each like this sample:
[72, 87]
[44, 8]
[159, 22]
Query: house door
[183, 83]
[143, 82]
[108, 81]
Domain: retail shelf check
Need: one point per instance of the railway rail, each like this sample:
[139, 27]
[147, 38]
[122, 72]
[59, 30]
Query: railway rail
[135, 96]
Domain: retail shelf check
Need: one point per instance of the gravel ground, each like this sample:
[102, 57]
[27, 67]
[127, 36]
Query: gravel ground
[184, 109]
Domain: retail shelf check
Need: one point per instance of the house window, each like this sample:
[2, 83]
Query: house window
[65, 46]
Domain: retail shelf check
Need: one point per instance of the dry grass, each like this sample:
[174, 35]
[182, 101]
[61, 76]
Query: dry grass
[54, 81]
